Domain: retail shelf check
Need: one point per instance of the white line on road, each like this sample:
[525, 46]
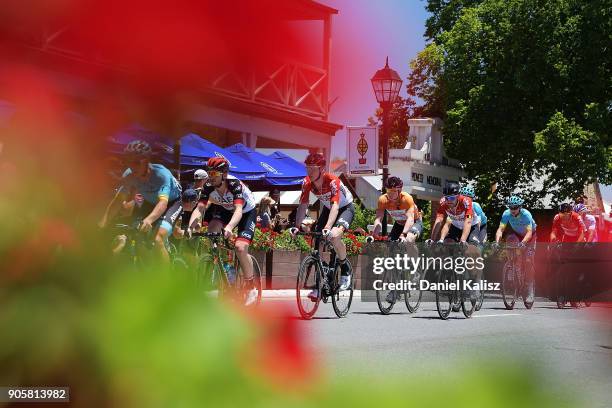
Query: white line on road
[499, 315]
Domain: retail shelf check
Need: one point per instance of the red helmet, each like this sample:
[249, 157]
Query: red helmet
[315, 159]
[218, 163]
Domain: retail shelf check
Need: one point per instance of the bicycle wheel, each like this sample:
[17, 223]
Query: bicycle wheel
[240, 285]
[384, 297]
[208, 274]
[444, 295]
[412, 298]
[527, 304]
[341, 299]
[509, 285]
[180, 266]
[467, 304]
[480, 300]
[308, 280]
[561, 298]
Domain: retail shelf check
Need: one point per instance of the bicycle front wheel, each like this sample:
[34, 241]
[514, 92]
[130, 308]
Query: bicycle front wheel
[412, 298]
[444, 294]
[241, 289]
[308, 287]
[342, 299]
[509, 285]
[386, 298]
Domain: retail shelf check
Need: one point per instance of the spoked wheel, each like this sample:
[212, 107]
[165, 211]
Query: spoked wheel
[575, 305]
[413, 297]
[525, 286]
[241, 283]
[509, 286]
[444, 295]
[342, 299]
[561, 299]
[480, 300]
[308, 280]
[207, 274]
[386, 298]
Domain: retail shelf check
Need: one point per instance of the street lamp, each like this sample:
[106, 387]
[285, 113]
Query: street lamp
[387, 84]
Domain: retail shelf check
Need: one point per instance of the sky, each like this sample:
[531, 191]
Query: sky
[364, 32]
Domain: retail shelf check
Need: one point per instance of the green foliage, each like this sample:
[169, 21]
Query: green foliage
[284, 241]
[363, 217]
[425, 209]
[499, 71]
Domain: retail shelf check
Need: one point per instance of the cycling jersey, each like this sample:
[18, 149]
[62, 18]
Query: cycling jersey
[332, 191]
[590, 224]
[571, 226]
[462, 210]
[522, 223]
[236, 193]
[160, 185]
[479, 213]
[397, 208]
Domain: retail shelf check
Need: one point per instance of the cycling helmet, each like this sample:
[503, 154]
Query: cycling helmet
[451, 188]
[565, 208]
[138, 148]
[394, 182]
[315, 159]
[190, 195]
[467, 191]
[514, 201]
[581, 208]
[218, 164]
[200, 174]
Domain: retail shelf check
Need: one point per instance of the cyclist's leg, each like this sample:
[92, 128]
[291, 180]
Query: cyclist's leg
[415, 231]
[216, 218]
[167, 221]
[453, 236]
[342, 223]
[246, 231]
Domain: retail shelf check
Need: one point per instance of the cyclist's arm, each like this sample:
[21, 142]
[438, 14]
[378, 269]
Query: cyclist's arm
[467, 226]
[591, 235]
[300, 214]
[235, 217]
[435, 230]
[158, 211]
[553, 236]
[581, 236]
[445, 229]
[500, 232]
[333, 214]
[197, 213]
[528, 235]
[409, 220]
[378, 222]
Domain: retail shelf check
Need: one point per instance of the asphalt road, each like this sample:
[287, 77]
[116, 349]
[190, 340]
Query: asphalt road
[570, 348]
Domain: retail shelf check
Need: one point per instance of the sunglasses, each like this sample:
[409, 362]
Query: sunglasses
[451, 198]
[393, 190]
[515, 207]
[214, 173]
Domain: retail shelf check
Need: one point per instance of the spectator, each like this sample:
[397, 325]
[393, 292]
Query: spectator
[264, 216]
[275, 205]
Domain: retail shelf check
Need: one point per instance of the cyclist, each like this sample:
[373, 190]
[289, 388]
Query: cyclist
[400, 205]
[521, 229]
[461, 225]
[468, 191]
[189, 201]
[231, 205]
[160, 190]
[337, 213]
[589, 220]
[567, 226]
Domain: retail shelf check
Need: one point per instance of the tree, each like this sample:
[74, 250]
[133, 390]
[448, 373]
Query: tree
[523, 86]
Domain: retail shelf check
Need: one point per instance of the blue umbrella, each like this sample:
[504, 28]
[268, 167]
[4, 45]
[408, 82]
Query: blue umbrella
[278, 172]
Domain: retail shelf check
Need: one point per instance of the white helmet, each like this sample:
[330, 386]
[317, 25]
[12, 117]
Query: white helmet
[200, 174]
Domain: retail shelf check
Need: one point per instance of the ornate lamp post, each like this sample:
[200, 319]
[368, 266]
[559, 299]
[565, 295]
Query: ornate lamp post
[387, 84]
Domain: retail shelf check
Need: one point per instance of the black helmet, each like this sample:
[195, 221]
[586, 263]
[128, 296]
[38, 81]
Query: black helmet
[451, 188]
[394, 182]
[565, 208]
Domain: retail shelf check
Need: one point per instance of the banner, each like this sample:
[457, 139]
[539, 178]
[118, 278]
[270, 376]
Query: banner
[362, 150]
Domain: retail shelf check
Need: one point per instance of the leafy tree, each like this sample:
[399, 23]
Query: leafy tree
[524, 89]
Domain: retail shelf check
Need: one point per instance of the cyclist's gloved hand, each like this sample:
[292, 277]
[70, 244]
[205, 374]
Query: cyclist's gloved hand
[145, 225]
[369, 239]
[293, 231]
[325, 232]
[495, 246]
[429, 242]
[463, 244]
[227, 233]
[522, 245]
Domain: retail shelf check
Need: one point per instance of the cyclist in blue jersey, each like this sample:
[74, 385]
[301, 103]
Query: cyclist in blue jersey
[517, 226]
[161, 192]
[478, 212]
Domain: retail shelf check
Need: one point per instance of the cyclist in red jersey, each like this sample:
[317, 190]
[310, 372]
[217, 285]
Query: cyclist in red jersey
[337, 210]
[567, 226]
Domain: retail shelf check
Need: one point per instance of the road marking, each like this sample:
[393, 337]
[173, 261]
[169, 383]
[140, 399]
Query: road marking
[499, 315]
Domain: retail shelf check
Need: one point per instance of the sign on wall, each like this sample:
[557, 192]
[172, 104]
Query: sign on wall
[362, 150]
